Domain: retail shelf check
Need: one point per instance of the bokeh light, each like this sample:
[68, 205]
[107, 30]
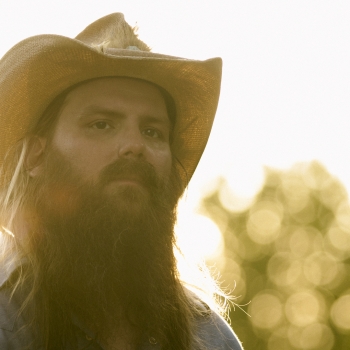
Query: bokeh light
[231, 201]
[303, 308]
[264, 222]
[288, 256]
[302, 239]
[340, 240]
[283, 269]
[266, 310]
[340, 312]
[342, 216]
[296, 192]
[315, 336]
[277, 340]
[322, 268]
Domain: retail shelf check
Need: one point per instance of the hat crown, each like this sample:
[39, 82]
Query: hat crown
[111, 31]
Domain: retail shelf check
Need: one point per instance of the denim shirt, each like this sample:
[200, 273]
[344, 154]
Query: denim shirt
[213, 330]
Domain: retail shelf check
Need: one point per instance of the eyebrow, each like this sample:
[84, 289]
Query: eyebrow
[93, 109]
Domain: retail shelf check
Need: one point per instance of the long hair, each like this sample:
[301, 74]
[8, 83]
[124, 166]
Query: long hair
[14, 180]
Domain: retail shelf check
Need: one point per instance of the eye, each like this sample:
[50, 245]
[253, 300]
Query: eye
[101, 125]
[152, 133]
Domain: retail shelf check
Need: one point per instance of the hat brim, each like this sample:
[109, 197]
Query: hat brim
[39, 68]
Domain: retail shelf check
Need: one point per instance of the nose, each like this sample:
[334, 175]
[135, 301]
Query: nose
[131, 144]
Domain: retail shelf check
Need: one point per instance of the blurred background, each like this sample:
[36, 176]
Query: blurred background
[267, 208]
[286, 259]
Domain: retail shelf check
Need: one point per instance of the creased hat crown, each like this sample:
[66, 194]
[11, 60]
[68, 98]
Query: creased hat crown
[111, 31]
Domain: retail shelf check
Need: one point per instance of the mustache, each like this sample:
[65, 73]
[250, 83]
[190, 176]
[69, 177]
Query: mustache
[125, 168]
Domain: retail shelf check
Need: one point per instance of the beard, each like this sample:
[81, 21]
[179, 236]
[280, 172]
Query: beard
[106, 256]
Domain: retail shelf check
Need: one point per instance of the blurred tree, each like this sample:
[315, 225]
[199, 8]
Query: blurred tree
[288, 257]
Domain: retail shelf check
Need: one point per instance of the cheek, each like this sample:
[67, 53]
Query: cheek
[163, 163]
[85, 158]
[89, 163]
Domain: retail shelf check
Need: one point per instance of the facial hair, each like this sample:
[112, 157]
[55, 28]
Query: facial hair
[107, 256]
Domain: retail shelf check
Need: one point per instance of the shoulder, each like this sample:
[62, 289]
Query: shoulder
[216, 333]
[213, 331]
[13, 334]
[10, 301]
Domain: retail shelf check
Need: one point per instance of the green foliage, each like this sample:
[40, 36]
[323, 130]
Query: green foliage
[287, 256]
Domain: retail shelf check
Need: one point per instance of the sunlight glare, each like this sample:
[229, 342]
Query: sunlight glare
[198, 237]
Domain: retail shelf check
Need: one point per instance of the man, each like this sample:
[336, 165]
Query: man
[99, 138]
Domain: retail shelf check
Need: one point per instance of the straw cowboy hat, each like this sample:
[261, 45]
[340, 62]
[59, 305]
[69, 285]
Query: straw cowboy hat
[39, 68]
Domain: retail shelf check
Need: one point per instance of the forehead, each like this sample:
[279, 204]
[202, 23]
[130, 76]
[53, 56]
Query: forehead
[107, 90]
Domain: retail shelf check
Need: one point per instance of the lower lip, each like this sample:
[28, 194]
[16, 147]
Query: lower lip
[128, 182]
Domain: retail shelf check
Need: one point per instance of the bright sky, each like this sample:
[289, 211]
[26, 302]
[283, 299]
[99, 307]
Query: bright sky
[286, 79]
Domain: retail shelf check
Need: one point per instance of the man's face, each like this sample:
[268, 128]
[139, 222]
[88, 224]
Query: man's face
[104, 197]
[109, 119]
